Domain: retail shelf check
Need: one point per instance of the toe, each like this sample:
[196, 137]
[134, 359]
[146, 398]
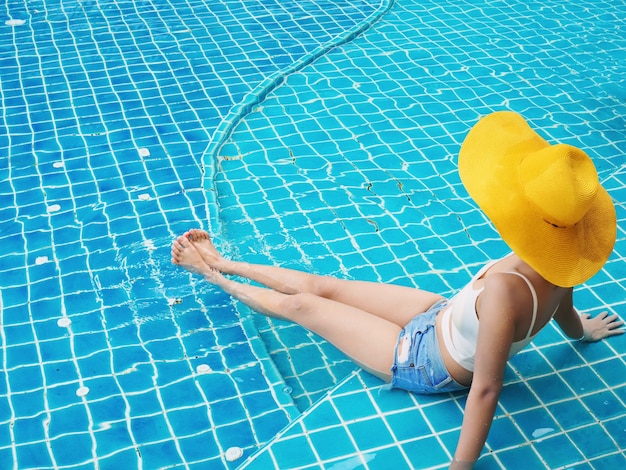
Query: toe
[197, 234]
[184, 241]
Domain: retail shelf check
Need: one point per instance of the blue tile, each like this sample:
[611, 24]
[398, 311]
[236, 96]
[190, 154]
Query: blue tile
[320, 416]
[598, 351]
[450, 439]
[173, 374]
[72, 450]
[112, 408]
[390, 457]
[18, 355]
[73, 419]
[27, 378]
[617, 430]
[307, 355]
[259, 403]
[618, 343]
[331, 442]
[583, 380]
[248, 379]
[512, 458]
[113, 438]
[268, 424]
[139, 379]
[228, 411]
[612, 371]
[592, 441]
[558, 451]
[187, 421]
[237, 354]
[292, 453]
[354, 406]
[316, 379]
[28, 404]
[160, 454]
[393, 400]
[516, 397]
[570, 414]
[370, 434]
[260, 461]
[35, 455]
[407, 424]
[605, 405]
[536, 423]
[443, 416]
[582, 466]
[562, 355]
[197, 447]
[425, 453]
[120, 459]
[98, 364]
[504, 433]
[550, 389]
[610, 462]
[164, 349]
[235, 435]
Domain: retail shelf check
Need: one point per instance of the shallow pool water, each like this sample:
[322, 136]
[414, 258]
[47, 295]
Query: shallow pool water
[316, 135]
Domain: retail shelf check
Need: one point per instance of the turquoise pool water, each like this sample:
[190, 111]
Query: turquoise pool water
[318, 135]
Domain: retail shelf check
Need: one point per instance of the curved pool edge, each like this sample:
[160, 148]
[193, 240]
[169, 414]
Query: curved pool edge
[258, 95]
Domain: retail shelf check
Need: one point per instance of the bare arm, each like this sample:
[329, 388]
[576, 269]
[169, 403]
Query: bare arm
[495, 336]
[583, 326]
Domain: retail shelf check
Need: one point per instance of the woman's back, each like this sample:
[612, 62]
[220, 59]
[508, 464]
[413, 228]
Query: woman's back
[530, 304]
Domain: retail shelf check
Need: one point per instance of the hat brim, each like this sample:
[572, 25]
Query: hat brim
[488, 165]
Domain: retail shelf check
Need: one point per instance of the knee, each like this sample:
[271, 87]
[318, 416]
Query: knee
[297, 304]
[322, 286]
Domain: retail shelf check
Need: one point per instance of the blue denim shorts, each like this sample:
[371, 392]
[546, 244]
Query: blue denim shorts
[420, 367]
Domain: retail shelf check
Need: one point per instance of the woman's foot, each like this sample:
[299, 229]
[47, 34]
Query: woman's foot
[202, 241]
[185, 255]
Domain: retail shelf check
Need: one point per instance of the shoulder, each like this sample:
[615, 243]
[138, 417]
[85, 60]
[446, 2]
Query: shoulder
[505, 295]
[498, 313]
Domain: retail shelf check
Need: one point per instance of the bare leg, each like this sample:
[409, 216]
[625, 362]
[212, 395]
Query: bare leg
[397, 304]
[368, 339]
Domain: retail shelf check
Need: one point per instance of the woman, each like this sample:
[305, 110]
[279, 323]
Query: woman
[547, 204]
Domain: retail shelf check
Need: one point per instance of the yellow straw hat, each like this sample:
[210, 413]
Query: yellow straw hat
[545, 200]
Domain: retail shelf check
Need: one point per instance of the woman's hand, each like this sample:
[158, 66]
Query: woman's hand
[600, 326]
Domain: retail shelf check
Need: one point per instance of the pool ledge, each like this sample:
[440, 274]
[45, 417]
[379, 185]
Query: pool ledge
[540, 421]
[261, 91]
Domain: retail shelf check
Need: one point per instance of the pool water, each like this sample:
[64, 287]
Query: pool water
[316, 135]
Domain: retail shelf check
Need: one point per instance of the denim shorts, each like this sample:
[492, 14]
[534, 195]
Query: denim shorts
[420, 367]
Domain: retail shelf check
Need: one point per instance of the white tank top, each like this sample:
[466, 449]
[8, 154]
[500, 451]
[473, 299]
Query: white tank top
[460, 322]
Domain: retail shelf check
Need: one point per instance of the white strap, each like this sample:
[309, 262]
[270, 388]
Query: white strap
[535, 302]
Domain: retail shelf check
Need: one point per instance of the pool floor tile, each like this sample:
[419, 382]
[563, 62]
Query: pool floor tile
[570, 414]
[593, 441]
[370, 433]
[535, 423]
[293, 453]
[332, 442]
[504, 433]
[558, 451]
[426, 452]
[610, 462]
[407, 423]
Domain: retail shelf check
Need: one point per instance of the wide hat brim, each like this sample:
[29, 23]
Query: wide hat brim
[489, 160]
